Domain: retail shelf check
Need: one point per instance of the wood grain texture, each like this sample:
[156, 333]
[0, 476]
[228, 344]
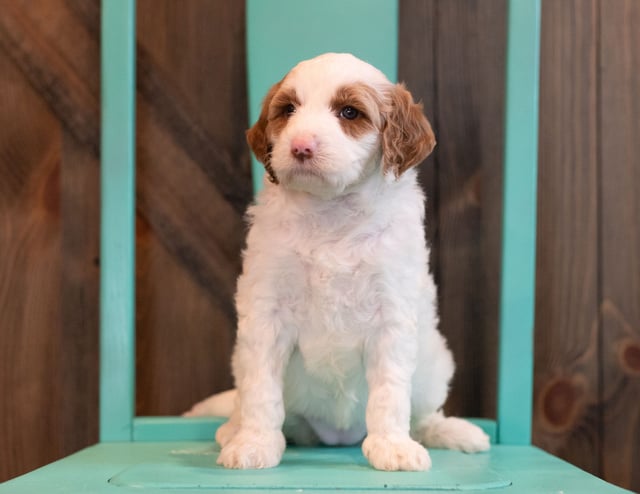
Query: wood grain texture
[193, 186]
[566, 385]
[79, 293]
[416, 69]
[469, 71]
[48, 242]
[620, 239]
[73, 98]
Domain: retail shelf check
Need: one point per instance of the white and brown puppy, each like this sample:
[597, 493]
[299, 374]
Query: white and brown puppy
[337, 338]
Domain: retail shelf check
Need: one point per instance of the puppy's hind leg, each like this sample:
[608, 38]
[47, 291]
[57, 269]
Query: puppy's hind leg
[437, 431]
[429, 426]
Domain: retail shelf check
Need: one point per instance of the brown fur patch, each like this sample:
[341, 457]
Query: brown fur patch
[273, 117]
[407, 138]
[257, 135]
[277, 115]
[363, 98]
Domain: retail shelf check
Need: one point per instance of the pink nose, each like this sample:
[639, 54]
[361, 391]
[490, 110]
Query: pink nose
[303, 147]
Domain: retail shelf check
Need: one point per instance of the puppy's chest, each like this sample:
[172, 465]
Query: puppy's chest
[336, 311]
[340, 298]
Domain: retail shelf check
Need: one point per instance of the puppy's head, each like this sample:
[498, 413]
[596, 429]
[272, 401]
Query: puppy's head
[334, 120]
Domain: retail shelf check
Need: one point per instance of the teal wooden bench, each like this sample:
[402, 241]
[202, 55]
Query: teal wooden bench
[173, 454]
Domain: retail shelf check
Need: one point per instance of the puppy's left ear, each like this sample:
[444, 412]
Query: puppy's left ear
[407, 138]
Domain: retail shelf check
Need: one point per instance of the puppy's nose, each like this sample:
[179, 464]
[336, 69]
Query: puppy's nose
[304, 147]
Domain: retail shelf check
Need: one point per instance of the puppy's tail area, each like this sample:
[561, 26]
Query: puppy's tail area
[218, 405]
[440, 432]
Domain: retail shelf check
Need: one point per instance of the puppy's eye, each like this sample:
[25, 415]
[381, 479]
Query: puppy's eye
[290, 109]
[349, 112]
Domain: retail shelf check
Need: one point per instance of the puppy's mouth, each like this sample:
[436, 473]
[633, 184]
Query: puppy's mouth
[306, 169]
[295, 170]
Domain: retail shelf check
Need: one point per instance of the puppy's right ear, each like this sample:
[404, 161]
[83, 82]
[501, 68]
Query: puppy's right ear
[258, 136]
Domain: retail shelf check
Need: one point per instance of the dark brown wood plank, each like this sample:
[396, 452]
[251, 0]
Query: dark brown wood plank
[469, 65]
[620, 239]
[193, 222]
[416, 69]
[30, 350]
[43, 59]
[191, 122]
[33, 49]
[79, 294]
[186, 157]
[49, 239]
[184, 316]
[192, 67]
[566, 395]
[184, 340]
[49, 246]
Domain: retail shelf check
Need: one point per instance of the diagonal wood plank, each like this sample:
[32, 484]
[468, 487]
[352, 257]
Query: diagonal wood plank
[76, 105]
[30, 279]
[191, 188]
[219, 166]
[191, 86]
[173, 109]
[50, 74]
[202, 231]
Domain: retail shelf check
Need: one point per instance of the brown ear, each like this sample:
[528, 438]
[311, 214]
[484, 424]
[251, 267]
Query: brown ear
[257, 135]
[407, 138]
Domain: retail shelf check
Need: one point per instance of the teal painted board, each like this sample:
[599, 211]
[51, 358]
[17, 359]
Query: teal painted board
[310, 469]
[117, 250]
[281, 33]
[203, 428]
[185, 467]
[176, 428]
[517, 291]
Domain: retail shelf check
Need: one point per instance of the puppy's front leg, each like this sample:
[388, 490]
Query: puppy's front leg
[255, 438]
[390, 361]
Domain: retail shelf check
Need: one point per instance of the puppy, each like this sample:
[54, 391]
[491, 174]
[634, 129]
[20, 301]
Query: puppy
[337, 325]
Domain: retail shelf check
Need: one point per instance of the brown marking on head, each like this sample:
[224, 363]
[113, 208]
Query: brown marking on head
[366, 101]
[273, 117]
[257, 134]
[407, 138]
[278, 112]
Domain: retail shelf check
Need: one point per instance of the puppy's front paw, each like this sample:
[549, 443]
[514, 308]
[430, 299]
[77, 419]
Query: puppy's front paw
[249, 449]
[395, 452]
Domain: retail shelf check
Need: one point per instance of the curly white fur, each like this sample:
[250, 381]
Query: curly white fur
[337, 337]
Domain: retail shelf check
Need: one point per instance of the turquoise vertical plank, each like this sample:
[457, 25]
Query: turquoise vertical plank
[117, 352]
[517, 293]
[281, 33]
